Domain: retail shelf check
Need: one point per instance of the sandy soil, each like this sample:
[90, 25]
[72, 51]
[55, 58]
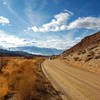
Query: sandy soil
[71, 82]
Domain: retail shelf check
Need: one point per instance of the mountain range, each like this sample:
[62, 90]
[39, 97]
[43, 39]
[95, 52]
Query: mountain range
[31, 50]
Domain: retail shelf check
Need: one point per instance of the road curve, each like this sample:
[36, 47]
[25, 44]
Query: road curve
[73, 83]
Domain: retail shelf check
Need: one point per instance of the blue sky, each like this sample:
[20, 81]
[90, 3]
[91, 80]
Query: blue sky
[47, 23]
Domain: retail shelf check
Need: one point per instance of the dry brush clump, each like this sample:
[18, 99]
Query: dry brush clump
[97, 57]
[76, 58]
[3, 62]
[24, 80]
[81, 52]
[90, 56]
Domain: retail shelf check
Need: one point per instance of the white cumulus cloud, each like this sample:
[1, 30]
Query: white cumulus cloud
[86, 22]
[56, 24]
[4, 20]
[7, 41]
[59, 23]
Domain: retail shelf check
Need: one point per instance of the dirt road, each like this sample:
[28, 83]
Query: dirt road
[73, 83]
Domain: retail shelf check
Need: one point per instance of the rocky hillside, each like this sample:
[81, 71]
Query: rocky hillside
[85, 43]
[85, 54]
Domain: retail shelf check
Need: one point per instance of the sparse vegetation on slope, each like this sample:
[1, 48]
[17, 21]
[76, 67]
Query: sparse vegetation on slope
[85, 54]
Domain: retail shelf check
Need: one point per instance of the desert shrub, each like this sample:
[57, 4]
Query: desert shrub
[79, 59]
[3, 86]
[64, 57]
[97, 57]
[32, 87]
[88, 59]
[3, 62]
[84, 51]
[71, 54]
[79, 53]
[96, 49]
[72, 51]
[92, 47]
[26, 88]
[91, 54]
[76, 58]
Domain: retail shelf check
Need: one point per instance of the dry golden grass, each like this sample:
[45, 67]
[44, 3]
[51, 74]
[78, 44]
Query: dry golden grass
[3, 86]
[22, 77]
